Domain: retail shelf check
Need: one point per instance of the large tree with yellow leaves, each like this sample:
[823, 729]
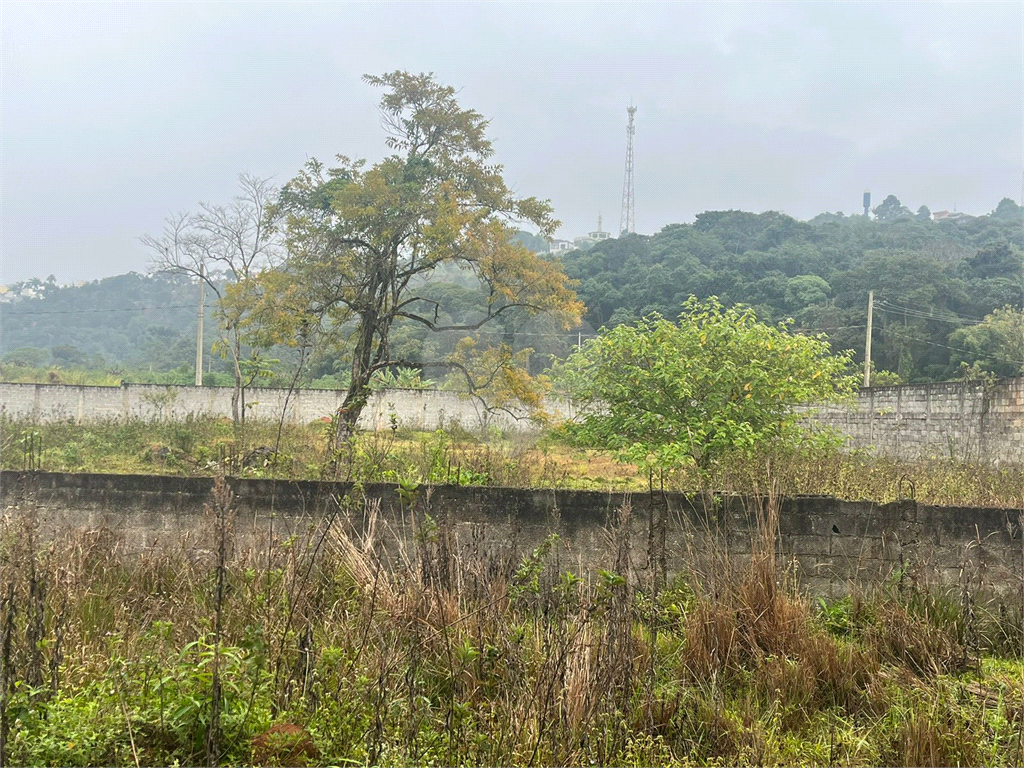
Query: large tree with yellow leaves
[361, 241]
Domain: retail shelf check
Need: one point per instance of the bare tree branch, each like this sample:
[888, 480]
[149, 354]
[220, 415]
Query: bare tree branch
[237, 240]
[464, 326]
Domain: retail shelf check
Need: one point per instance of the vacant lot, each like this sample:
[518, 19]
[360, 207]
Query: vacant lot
[320, 650]
[265, 449]
[470, 656]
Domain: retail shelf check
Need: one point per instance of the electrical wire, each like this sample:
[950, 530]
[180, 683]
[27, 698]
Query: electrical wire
[830, 328]
[950, 317]
[104, 309]
[1009, 360]
[917, 313]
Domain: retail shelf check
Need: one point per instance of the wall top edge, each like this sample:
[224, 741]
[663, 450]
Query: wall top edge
[260, 486]
[977, 383]
[1016, 381]
[128, 385]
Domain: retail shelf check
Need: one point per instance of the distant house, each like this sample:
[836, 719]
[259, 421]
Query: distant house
[592, 238]
[582, 242]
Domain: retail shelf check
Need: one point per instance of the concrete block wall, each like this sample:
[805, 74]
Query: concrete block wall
[832, 544]
[967, 421]
[413, 408]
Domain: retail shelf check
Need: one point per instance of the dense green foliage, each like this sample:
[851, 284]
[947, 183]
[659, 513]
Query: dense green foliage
[663, 393]
[994, 344]
[929, 277]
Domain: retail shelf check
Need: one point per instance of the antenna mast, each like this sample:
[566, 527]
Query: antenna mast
[627, 222]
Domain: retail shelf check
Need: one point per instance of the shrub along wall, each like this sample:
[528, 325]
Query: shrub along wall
[829, 543]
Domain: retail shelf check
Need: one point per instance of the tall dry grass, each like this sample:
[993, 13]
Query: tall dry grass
[364, 640]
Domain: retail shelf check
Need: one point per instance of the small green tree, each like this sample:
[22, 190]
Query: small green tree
[661, 394]
[891, 208]
[1007, 210]
[804, 290]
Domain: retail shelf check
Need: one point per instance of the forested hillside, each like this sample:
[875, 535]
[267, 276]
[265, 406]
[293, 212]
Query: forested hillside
[934, 281]
[940, 286]
[127, 321]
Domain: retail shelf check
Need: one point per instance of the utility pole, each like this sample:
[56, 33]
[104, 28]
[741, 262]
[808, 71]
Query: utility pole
[627, 221]
[867, 340]
[199, 334]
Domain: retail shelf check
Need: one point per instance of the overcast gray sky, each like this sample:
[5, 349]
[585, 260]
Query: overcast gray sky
[115, 115]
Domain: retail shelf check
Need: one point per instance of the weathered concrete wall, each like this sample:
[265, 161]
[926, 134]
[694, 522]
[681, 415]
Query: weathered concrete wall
[414, 408]
[966, 421]
[831, 543]
[958, 420]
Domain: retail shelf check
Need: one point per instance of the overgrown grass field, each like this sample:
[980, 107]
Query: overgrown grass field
[345, 648]
[456, 456]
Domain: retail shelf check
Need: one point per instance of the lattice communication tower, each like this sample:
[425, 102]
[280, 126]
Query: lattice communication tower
[627, 222]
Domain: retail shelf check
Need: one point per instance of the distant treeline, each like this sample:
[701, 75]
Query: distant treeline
[118, 323]
[935, 283]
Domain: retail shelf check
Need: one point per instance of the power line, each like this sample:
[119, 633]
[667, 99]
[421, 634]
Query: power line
[950, 317]
[573, 336]
[831, 328]
[107, 309]
[959, 349]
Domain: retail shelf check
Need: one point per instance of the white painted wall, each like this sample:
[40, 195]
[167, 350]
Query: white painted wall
[413, 408]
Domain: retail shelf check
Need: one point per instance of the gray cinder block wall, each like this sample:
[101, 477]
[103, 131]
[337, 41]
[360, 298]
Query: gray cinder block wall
[831, 544]
[966, 421]
[413, 408]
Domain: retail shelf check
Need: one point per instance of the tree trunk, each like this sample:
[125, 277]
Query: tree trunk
[236, 394]
[358, 394]
[356, 398]
[237, 412]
